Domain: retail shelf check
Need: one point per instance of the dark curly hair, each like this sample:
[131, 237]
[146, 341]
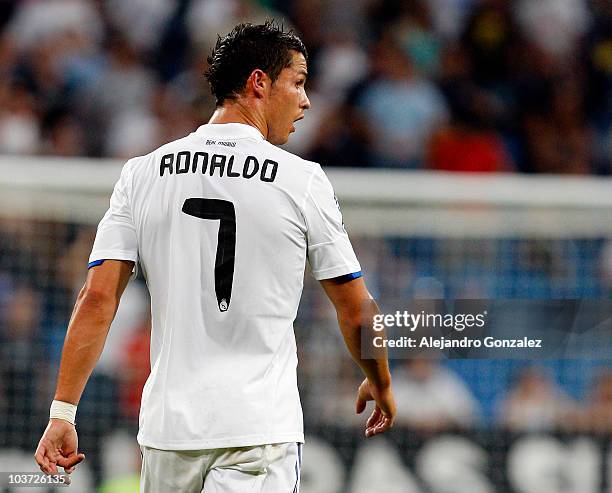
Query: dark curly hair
[248, 47]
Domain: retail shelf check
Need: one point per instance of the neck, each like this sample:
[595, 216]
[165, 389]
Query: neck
[236, 112]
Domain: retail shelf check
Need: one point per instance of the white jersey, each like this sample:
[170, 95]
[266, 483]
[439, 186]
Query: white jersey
[222, 223]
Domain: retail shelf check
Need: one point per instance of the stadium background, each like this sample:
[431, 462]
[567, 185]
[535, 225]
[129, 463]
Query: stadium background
[517, 93]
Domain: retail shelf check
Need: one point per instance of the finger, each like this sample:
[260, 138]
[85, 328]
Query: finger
[384, 425]
[380, 427]
[42, 459]
[371, 427]
[44, 468]
[39, 455]
[362, 398]
[70, 469]
[68, 462]
[374, 425]
[374, 417]
[360, 405]
[388, 420]
[371, 431]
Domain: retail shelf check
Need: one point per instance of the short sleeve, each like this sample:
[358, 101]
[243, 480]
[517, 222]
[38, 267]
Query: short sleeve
[116, 235]
[330, 252]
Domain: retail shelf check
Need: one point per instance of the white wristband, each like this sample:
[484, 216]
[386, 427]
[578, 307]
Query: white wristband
[63, 410]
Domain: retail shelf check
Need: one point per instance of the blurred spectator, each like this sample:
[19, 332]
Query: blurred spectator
[460, 147]
[605, 264]
[19, 123]
[8, 55]
[534, 403]
[206, 19]
[24, 386]
[469, 142]
[343, 385]
[558, 139]
[189, 88]
[59, 43]
[598, 54]
[64, 136]
[415, 34]
[132, 133]
[334, 133]
[339, 65]
[488, 39]
[84, 77]
[343, 138]
[119, 103]
[176, 117]
[430, 397]
[554, 26]
[400, 107]
[449, 16]
[596, 416]
[141, 21]
[135, 367]
[36, 22]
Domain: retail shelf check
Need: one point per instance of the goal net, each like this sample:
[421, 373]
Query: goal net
[464, 425]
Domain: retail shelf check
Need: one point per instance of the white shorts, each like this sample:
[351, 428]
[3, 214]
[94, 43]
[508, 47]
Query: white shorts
[262, 469]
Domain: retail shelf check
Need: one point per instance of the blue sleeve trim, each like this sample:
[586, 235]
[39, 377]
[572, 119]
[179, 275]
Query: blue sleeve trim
[95, 263]
[348, 277]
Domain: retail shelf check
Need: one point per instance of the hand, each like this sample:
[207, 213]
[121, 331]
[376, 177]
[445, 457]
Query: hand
[383, 415]
[58, 447]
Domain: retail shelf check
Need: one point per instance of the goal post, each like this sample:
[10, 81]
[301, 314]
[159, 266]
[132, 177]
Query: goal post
[379, 202]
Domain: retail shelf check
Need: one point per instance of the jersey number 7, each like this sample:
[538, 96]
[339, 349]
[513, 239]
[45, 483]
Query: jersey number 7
[223, 211]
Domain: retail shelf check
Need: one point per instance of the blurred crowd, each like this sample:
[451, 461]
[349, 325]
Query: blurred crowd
[38, 288]
[42, 268]
[436, 395]
[474, 85]
[461, 85]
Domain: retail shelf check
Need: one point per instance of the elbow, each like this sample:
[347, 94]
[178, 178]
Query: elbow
[351, 321]
[358, 314]
[97, 298]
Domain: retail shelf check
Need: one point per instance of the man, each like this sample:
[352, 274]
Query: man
[222, 222]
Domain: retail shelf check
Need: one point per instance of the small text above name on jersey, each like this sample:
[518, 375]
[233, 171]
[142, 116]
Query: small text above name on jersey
[217, 164]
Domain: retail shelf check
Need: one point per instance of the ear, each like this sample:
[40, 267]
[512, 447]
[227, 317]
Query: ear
[258, 82]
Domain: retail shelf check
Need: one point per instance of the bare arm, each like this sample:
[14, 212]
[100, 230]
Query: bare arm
[354, 306]
[355, 309]
[91, 319]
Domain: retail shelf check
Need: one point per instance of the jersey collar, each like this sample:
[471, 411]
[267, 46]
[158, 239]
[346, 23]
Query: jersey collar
[229, 131]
